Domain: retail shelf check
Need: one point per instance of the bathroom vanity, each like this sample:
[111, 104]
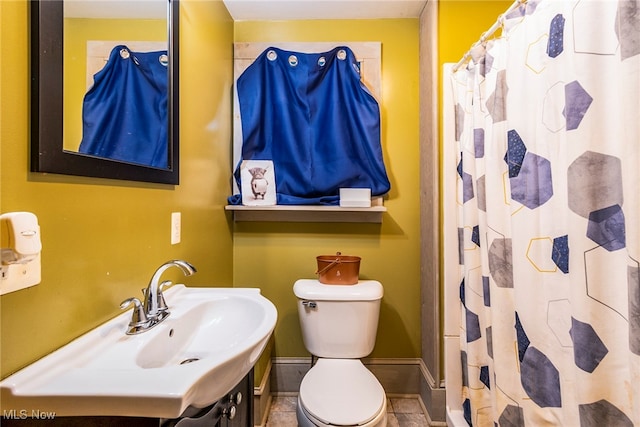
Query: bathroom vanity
[233, 410]
[167, 375]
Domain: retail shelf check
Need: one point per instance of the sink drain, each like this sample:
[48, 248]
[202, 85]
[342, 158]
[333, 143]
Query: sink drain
[190, 360]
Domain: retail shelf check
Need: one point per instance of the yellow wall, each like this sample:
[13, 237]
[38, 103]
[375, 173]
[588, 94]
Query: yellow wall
[462, 22]
[274, 255]
[103, 239]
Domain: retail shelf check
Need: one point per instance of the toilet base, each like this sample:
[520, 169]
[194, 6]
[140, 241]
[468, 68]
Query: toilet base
[304, 421]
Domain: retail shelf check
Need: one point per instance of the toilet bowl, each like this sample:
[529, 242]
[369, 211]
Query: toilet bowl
[341, 392]
[339, 325]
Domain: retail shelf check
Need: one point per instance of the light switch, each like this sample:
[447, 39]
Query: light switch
[176, 225]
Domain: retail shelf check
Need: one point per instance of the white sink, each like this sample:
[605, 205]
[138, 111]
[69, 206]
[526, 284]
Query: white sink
[211, 340]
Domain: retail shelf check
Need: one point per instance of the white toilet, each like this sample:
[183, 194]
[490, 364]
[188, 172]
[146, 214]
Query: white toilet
[339, 325]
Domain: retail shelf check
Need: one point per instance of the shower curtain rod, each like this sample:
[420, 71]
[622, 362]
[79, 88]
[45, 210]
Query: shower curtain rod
[485, 36]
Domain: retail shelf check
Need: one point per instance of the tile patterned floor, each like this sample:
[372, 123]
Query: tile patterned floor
[401, 412]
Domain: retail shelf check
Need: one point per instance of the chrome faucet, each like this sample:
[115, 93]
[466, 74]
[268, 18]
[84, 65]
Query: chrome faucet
[154, 309]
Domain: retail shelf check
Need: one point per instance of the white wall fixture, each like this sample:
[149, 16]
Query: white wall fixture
[176, 227]
[21, 247]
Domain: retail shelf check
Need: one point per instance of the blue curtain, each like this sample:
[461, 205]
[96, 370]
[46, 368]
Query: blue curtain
[124, 114]
[313, 117]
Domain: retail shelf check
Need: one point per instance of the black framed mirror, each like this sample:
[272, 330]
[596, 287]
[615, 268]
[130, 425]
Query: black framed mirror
[48, 152]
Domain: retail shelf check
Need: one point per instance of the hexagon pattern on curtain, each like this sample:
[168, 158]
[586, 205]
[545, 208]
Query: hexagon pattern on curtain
[548, 217]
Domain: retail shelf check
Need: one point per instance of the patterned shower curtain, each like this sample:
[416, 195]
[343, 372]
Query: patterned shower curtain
[547, 129]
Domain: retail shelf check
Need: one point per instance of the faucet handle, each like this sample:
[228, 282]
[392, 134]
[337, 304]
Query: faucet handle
[162, 304]
[165, 284]
[139, 317]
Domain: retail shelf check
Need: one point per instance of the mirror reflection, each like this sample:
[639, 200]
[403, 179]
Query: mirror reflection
[57, 96]
[115, 80]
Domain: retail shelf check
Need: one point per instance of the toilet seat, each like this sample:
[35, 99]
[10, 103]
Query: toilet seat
[341, 392]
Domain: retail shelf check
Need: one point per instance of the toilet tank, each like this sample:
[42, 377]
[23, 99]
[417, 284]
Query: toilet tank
[338, 321]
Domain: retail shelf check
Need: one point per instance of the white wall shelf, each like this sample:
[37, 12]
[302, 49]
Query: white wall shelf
[308, 213]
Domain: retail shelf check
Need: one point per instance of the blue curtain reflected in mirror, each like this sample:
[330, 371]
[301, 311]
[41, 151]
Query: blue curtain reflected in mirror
[124, 113]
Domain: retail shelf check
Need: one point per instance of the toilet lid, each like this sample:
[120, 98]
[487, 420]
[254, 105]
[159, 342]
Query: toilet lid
[341, 392]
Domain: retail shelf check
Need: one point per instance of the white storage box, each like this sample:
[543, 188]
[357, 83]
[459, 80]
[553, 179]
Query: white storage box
[355, 197]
